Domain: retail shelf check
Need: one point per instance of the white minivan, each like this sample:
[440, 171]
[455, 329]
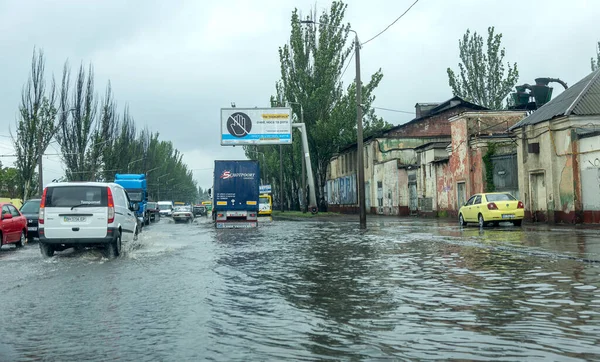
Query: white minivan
[74, 214]
[165, 208]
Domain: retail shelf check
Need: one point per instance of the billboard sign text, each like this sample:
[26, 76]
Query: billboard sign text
[256, 126]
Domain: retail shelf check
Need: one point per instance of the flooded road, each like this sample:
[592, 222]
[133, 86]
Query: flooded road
[405, 289]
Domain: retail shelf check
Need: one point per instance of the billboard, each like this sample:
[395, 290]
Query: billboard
[264, 189]
[256, 126]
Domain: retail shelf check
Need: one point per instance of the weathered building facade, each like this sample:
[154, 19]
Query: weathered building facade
[559, 156]
[479, 157]
[390, 159]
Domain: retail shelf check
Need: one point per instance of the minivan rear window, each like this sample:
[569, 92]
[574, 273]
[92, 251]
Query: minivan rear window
[82, 196]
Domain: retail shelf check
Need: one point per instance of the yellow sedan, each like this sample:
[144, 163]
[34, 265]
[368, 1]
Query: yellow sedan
[492, 207]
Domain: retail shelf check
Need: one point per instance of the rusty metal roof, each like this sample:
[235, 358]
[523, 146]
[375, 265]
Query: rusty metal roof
[582, 99]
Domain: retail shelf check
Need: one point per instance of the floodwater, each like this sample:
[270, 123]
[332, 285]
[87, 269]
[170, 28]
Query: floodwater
[405, 289]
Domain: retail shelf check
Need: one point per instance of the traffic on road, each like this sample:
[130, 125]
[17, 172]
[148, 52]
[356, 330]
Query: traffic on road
[404, 289]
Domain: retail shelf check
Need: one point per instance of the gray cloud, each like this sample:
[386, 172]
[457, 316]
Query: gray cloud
[177, 63]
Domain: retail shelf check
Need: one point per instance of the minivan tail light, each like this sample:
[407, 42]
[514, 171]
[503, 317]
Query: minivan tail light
[111, 206]
[492, 206]
[520, 205]
[42, 214]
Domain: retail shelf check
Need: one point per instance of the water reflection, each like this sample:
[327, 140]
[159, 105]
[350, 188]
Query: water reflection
[311, 291]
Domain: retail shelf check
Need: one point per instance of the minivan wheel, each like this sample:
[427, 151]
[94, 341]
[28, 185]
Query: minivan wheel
[22, 241]
[47, 250]
[113, 250]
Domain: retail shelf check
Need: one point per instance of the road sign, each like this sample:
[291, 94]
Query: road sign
[256, 126]
[264, 189]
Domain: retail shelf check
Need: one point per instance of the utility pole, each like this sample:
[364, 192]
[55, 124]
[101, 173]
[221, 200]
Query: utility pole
[359, 132]
[359, 141]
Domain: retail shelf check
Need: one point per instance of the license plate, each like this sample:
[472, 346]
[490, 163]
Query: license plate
[236, 225]
[74, 219]
[31, 229]
[508, 216]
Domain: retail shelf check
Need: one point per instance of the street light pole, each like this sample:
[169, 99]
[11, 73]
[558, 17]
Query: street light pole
[264, 167]
[155, 168]
[132, 162]
[281, 197]
[303, 202]
[158, 184]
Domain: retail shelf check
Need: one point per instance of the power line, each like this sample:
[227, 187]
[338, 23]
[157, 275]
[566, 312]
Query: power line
[392, 110]
[384, 30]
[347, 65]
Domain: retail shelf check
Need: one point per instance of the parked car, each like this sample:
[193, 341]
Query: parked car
[183, 213]
[199, 210]
[153, 211]
[88, 214]
[13, 226]
[31, 210]
[492, 207]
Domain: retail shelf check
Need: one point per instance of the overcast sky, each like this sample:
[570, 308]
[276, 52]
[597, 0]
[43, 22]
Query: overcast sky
[176, 63]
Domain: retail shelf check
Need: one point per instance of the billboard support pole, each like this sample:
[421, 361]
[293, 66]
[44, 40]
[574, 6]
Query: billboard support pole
[281, 198]
[312, 196]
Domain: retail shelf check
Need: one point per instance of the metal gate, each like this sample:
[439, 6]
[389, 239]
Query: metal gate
[461, 197]
[379, 197]
[413, 198]
[506, 173]
[590, 189]
[538, 197]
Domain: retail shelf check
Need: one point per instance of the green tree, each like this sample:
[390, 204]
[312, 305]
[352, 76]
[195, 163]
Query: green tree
[483, 78]
[311, 67]
[9, 182]
[35, 126]
[76, 132]
[344, 114]
[596, 62]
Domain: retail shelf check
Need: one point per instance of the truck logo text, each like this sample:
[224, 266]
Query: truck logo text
[227, 174]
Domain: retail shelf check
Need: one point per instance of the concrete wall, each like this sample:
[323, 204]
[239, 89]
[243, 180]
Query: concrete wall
[446, 192]
[471, 134]
[387, 200]
[459, 165]
[558, 198]
[434, 126]
[589, 164]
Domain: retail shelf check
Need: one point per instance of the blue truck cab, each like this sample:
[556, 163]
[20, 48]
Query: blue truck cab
[136, 187]
[235, 194]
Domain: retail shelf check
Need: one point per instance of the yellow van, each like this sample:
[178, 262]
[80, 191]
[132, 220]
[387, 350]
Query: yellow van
[265, 204]
[208, 205]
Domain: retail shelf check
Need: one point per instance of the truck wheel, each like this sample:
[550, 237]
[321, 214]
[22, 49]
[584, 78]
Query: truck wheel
[147, 220]
[47, 250]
